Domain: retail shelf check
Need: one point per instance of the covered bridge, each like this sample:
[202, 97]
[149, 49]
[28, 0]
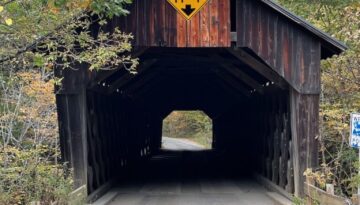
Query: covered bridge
[251, 66]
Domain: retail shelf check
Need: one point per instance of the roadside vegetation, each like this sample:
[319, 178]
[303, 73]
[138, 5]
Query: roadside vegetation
[35, 37]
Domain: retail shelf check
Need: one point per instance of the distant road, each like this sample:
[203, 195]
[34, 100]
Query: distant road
[180, 144]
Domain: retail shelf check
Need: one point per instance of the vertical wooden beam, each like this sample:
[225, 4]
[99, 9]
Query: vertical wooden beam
[71, 103]
[305, 129]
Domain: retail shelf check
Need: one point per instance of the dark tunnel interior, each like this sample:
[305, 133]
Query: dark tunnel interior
[125, 122]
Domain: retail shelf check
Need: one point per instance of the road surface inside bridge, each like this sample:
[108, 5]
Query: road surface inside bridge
[180, 144]
[188, 178]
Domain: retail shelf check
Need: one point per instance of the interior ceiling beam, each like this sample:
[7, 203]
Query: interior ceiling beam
[125, 79]
[232, 82]
[144, 80]
[258, 66]
[242, 76]
[103, 75]
[231, 91]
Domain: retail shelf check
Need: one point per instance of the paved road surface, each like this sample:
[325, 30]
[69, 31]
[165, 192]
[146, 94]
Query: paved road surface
[180, 144]
[189, 178]
[196, 192]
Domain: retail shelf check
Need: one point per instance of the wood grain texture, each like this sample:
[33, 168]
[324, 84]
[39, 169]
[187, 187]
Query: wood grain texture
[305, 129]
[291, 51]
[157, 23]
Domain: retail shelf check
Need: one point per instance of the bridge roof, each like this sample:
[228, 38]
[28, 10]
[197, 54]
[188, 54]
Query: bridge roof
[330, 45]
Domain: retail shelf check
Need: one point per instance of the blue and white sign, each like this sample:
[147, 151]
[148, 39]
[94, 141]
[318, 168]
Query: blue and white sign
[355, 130]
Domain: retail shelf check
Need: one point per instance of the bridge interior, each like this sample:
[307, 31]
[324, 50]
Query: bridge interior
[247, 101]
[186, 178]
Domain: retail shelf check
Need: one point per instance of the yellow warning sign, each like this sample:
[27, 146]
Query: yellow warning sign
[188, 8]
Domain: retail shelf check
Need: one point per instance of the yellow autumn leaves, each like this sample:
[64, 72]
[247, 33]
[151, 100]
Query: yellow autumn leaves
[8, 21]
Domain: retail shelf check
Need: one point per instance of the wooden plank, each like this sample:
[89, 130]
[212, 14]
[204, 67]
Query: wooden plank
[259, 67]
[103, 75]
[101, 191]
[322, 197]
[128, 77]
[242, 76]
[71, 102]
[205, 26]
[305, 129]
[172, 25]
[232, 82]
[130, 89]
[159, 22]
[181, 31]
[194, 31]
[224, 23]
[239, 96]
[214, 23]
[270, 185]
[272, 37]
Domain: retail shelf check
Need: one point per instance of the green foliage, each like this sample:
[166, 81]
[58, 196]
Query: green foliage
[48, 33]
[193, 125]
[26, 175]
[29, 154]
[35, 37]
[110, 8]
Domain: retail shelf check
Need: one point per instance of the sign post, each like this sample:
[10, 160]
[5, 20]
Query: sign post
[355, 135]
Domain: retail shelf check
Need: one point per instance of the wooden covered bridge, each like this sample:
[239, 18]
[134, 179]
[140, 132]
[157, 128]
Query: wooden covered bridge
[251, 66]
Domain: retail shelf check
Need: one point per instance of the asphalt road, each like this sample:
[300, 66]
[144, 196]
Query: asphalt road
[180, 144]
[196, 192]
[187, 178]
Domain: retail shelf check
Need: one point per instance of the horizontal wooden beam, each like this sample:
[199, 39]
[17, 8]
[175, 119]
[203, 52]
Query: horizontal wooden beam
[258, 66]
[125, 79]
[151, 87]
[238, 96]
[242, 76]
[103, 75]
[145, 79]
[232, 82]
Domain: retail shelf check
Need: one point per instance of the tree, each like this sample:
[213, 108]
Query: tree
[35, 37]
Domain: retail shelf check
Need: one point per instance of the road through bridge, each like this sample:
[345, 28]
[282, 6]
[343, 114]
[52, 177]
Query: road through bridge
[252, 66]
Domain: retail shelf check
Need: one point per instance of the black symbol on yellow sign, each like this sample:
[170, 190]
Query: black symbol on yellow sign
[188, 8]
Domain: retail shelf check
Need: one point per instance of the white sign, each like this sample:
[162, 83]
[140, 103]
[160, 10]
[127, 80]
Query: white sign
[355, 130]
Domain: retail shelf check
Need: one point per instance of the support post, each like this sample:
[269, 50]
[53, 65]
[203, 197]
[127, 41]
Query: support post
[71, 105]
[304, 129]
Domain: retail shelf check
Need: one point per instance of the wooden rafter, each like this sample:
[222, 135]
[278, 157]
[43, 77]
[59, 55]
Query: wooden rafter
[140, 94]
[232, 82]
[106, 74]
[239, 96]
[240, 75]
[258, 66]
[125, 79]
[135, 87]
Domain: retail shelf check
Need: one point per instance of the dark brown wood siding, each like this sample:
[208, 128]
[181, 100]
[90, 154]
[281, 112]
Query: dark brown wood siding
[305, 130]
[157, 23]
[291, 51]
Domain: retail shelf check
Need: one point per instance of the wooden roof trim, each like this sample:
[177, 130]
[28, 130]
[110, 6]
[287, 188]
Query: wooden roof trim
[332, 45]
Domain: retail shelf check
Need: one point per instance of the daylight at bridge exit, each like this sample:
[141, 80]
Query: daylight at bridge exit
[180, 102]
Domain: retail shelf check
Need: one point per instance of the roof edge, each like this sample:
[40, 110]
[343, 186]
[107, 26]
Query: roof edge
[333, 45]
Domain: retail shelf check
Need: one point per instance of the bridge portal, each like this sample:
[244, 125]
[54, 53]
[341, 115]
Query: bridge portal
[251, 66]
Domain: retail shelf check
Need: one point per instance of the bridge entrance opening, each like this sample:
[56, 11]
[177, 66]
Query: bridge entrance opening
[247, 104]
[187, 130]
